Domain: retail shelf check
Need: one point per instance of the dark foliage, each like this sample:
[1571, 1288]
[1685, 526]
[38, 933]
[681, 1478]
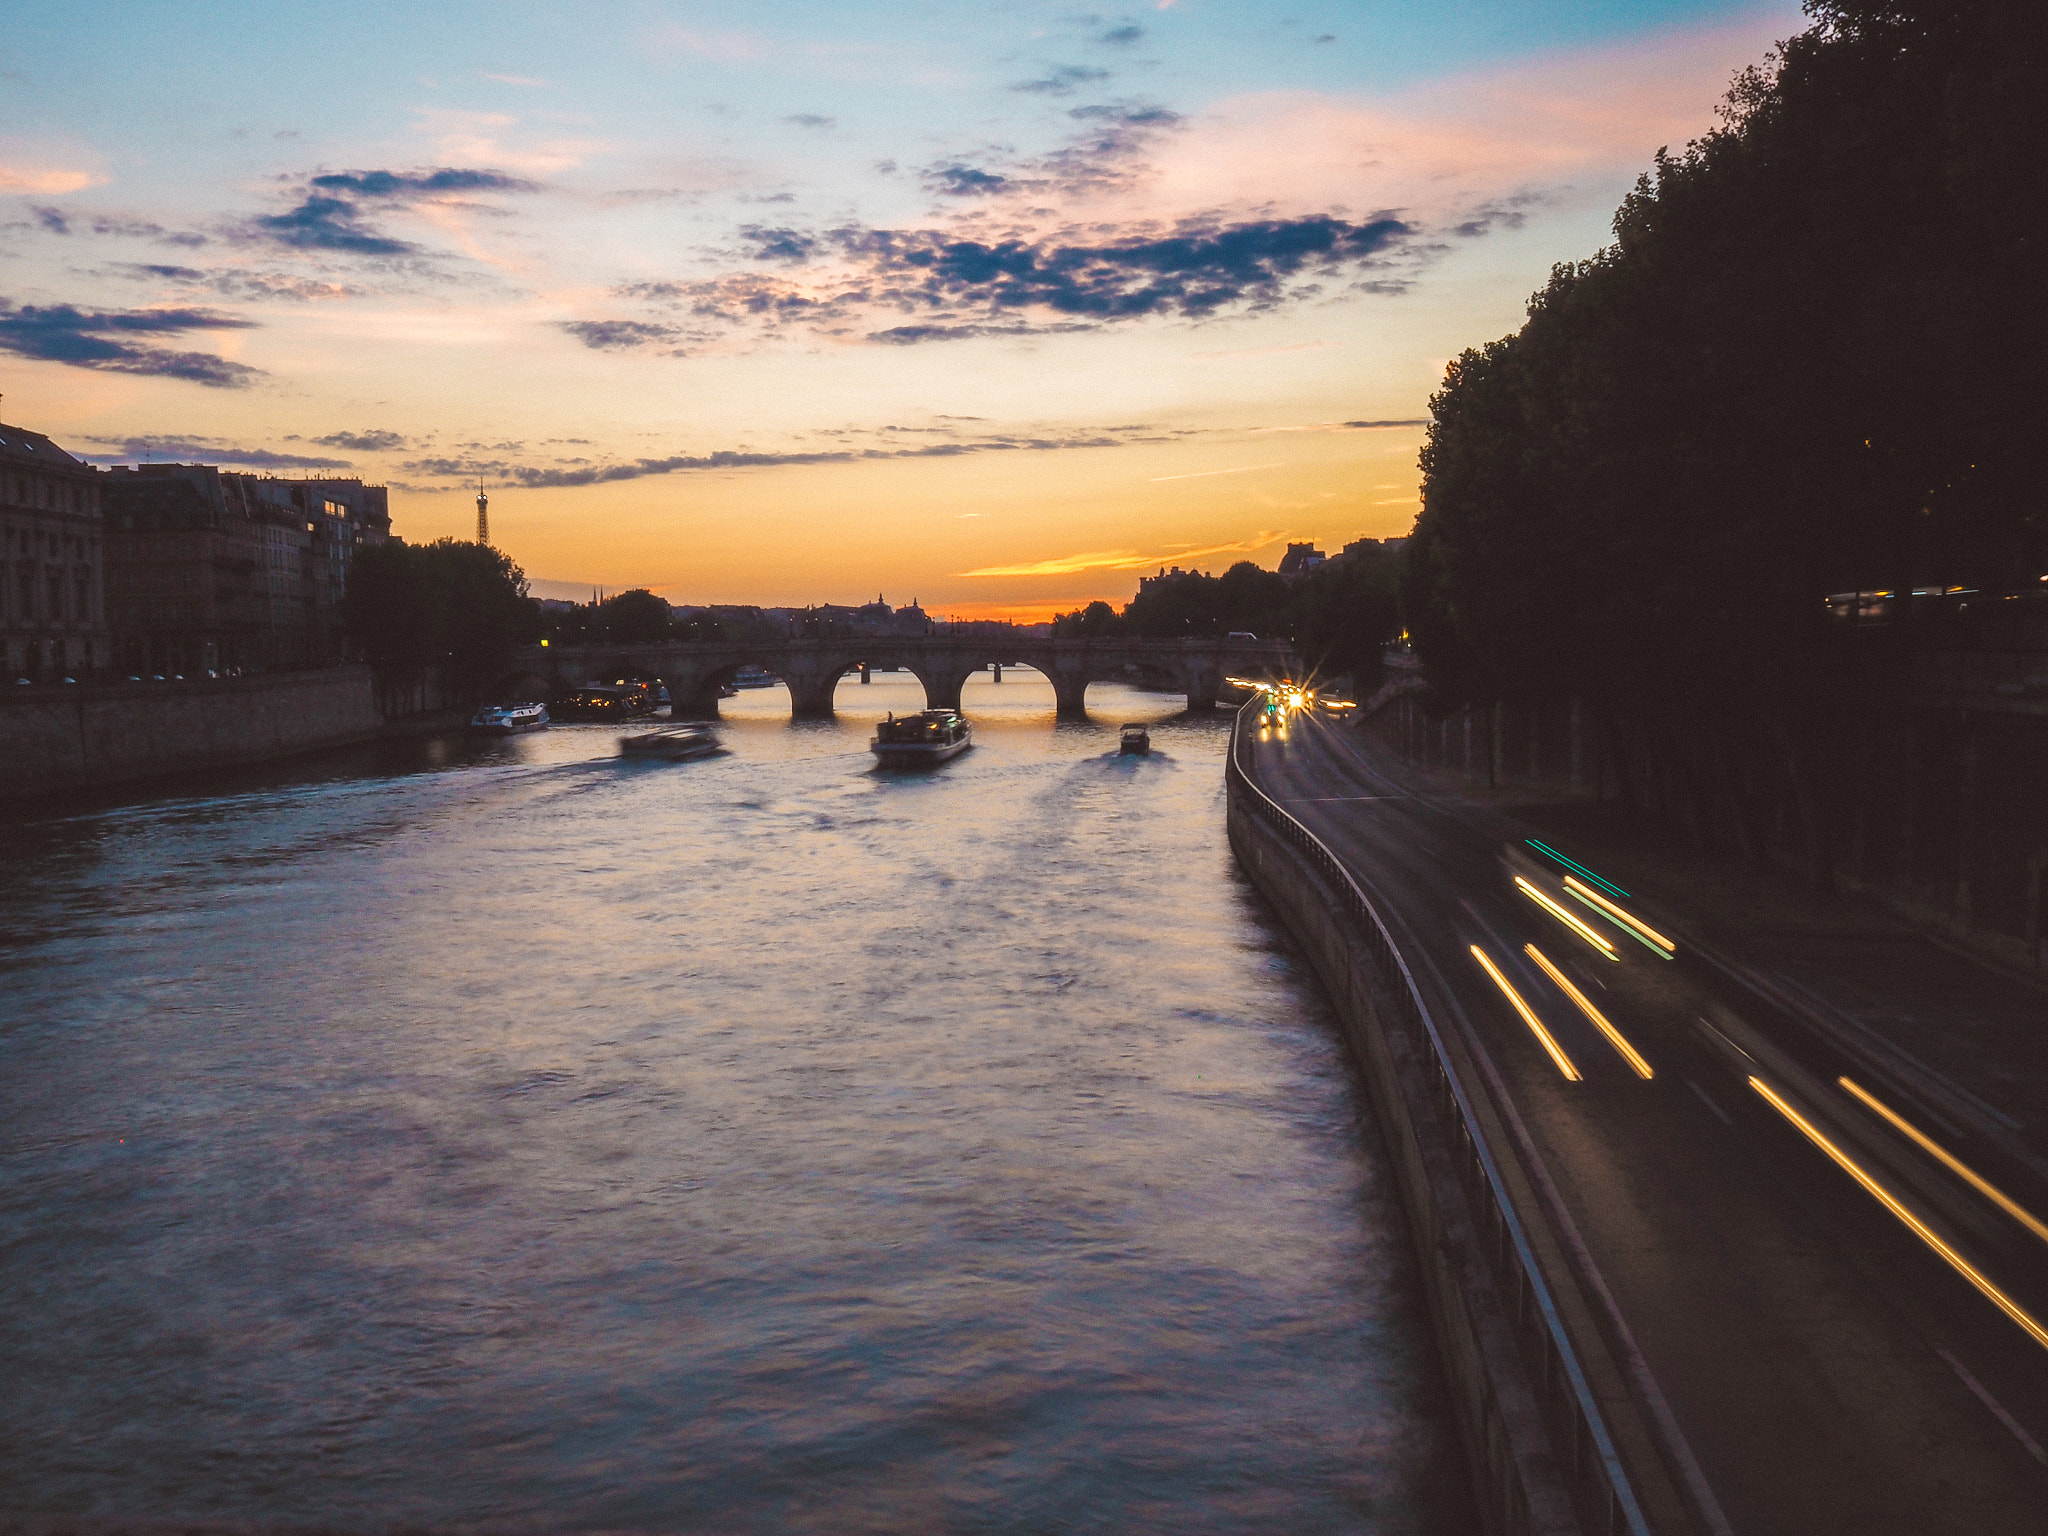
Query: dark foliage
[1812, 361]
[636, 615]
[458, 605]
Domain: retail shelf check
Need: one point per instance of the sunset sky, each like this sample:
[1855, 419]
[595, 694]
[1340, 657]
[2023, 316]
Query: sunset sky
[993, 305]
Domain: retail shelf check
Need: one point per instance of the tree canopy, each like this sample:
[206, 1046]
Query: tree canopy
[1812, 361]
[460, 605]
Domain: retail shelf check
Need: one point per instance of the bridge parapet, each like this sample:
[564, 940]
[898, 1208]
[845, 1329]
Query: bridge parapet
[692, 671]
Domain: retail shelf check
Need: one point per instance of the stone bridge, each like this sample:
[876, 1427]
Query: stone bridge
[694, 671]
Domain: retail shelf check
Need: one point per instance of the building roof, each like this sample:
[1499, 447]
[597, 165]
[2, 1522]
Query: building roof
[18, 445]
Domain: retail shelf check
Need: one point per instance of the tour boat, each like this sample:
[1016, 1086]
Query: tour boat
[509, 719]
[931, 736]
[1134, 741]
[604, 703]
[672, 743]
[753, 677]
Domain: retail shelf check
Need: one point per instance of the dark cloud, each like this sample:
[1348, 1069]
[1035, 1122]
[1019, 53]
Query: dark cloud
[1127, 115]
[1486, 220]
[160, 270]
[409, 186]
[1410, 421]
[1195, 271]
[778, 244]
[207, 450]
[52, 219]
[619, 335]
[1062, 81]
[538, 477]
[233, 282]
[329, 216]
[911, 335]
[810, 120]
[60, 333]
[1122, 37]
[329, 224]
[955, 180]
[1327, 37]
[372, 440]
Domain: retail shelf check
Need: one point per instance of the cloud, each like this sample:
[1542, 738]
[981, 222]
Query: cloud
[911, 335]
[1369, 426]
[373, 440]
[581, 473]
[53, 220]
[232, 282]
[1121, 37]
[410, 186]
[1195, 271]
[810, 120]
[956, 180]
[620, 335]
[1128, 115]
[329, 216]
[206, 450]
[329, 224]
[1062, 81]
[47, 180]
[1123, 559]
[1203, 474]
[778, 244]
[60, 333]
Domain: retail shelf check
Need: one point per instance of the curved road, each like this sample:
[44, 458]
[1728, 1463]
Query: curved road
[1819, 1365]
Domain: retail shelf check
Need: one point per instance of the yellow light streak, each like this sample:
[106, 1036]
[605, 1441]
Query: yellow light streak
[1625, 917]
[1983, 1186]
[1614, 1036]
[1564, 1062]
[1920, 1229]
[1566, 918]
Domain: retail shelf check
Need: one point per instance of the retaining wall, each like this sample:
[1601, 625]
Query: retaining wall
[54, 739]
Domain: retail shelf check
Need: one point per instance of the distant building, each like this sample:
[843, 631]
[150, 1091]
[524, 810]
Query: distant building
[52, 602]
[215, 570]
[1299, 560]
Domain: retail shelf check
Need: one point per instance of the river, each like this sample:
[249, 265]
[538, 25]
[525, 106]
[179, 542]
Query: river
[500, 1134]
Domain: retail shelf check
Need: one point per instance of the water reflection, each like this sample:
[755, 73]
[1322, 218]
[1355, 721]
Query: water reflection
[471, 1131]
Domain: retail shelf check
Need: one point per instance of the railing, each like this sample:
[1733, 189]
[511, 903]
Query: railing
[1585, 1450]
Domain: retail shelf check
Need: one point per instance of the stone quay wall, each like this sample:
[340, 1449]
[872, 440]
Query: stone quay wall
[62, 738]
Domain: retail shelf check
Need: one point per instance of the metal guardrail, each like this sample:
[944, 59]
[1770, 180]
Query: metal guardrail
[1592, 1469]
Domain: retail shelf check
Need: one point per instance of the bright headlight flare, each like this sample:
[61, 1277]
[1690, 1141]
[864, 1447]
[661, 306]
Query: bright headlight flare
[1919, 1228]
[1627, 919]
[1954, 1164]
[1564, 1062]
[1614, 1036]
[1543, 901]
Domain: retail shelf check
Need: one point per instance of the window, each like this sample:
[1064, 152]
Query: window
[56, 595]
[84, 608]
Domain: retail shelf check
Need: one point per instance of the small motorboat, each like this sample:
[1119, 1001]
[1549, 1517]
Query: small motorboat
[1134, 741]
[671, 743]
[509, 719]
[930, 736]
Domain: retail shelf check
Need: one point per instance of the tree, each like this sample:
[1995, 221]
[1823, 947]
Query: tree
[1097, 621]
[459, 605]
[637, 615]
[1346, 612]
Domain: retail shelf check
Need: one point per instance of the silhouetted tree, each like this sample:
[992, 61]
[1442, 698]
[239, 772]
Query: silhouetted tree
[1097, 621]
[459, 605]
[637, 615]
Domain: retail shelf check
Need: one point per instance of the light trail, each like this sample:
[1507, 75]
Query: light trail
[1919, 1228]
[1983, 1186]
[1627, 919]
[1564, 1062]
[1567, 919]
[1614, 1036]
[1577, 868]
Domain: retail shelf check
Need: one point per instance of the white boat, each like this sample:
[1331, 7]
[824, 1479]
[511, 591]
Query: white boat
[672, 743]
[930, 736]
[509, 719]
[753, 677]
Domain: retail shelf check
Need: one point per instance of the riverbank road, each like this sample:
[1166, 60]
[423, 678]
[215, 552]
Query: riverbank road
[1824, 1289]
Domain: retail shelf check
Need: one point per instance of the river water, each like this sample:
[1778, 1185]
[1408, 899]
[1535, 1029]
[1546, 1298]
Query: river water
[498, 1134]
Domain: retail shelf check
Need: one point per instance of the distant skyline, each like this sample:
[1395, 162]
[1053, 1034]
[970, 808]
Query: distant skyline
[997, 307]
